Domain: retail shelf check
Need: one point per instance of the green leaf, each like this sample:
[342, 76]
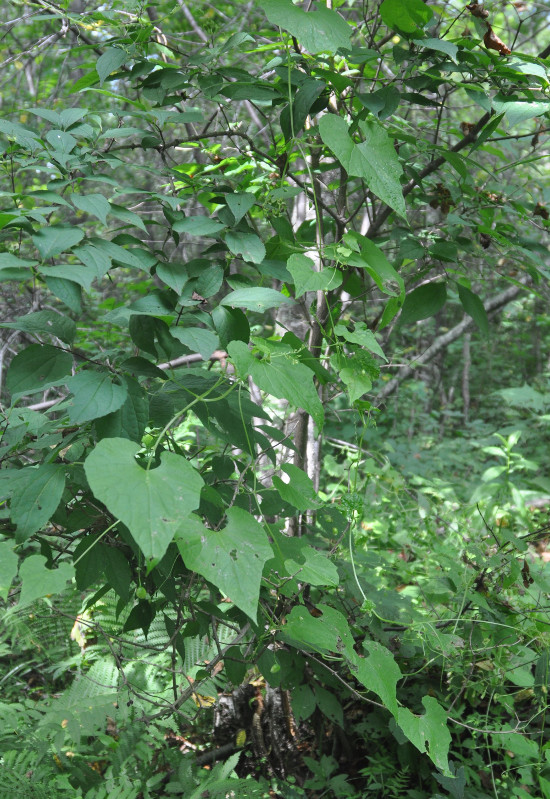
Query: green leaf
[38, 581]
[198, 339]
[248, 245]
[474, 308]
[8, 260]
[151, 503]
[440, 45]
[362, 336]
[377, 265]
[42, 322]
[173, 274]
[313, 567]
[53, 240]
[306, 278]
[231, 324]
[94, 395]
[66, 290]
[23, 136]
[36, 368]
[406, 16]
[109, 62]
[328, 632]
[305, 98]
[296, 558]
[94, 204]
[97, 262]
[356, 371]
[430, 729]
[8, 567]
[35, 497]
[61, 141]
[356, 380]
[232, 558]
[303, 702]
[374, 159]
[281, 377]
[198, 226]
[130, 420]
[319, 31]
[379, 673]
[487, 131]
[516, 110]
[423, 302]
[239, 204]
[127, 216]
[298, 491]
[255, 299]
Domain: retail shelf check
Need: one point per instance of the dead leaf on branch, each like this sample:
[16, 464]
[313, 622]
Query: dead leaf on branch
[492, 42]
[477, 10]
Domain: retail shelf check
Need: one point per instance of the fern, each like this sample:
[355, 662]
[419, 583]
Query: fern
[26, 777]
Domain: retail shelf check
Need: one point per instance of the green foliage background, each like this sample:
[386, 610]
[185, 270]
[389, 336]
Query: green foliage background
[275, 398]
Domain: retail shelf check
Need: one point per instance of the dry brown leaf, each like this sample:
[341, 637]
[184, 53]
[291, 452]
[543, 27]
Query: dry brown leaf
[492, 42]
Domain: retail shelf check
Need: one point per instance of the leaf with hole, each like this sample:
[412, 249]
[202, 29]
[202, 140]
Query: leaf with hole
[232, 558]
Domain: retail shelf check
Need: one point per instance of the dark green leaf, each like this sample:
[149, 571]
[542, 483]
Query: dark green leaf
[56, 239]
[474, 308]
[423, 302]
[109, 62]
[37, 367]
[95, 394]
[43, 322]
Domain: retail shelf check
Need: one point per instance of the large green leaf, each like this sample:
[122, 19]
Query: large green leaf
[38, 581]
[95, 204]
[516, 110]
[198, 339]
[379, 673]
[248, 245]
[40, 322]
[232, 558]
[374, 159]
[319, 31]
[36, 368]
[407, 16]
[430, 729]
[281, 377]
[198, 226]
[151, 503]
[306, 278]
[53, 240]
[35, 496]
[423, 302]
[95, 394]
[326, 632]
[230, 324]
